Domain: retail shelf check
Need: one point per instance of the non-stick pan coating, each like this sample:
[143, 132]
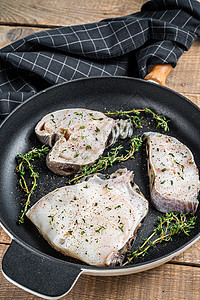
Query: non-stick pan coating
[102, 94]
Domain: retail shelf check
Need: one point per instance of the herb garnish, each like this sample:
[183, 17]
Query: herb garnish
[107, 187]
[88, 147]
[23, 165]
[51, 219]
[118, 206]
[135, 144]
[180, 175]
[108, 208]
[78, 114]
[106, 161]
[100, 228]
[133, 114]
[167, 226]
[121, 228]
[100, 119]
[63, 131]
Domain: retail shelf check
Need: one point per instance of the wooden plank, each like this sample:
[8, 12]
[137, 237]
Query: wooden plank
[4, 237]
[64, 12]
[168, 282]
[9, 34]
[190, 257]
[185, 77]
[193, 97]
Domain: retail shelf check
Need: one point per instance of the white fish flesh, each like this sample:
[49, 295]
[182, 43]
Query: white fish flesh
[173, 174]
[78, 137]
[93, 221]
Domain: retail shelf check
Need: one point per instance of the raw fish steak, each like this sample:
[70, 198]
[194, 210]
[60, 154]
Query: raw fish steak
[78, 137]
[173, 174]
[93, 221]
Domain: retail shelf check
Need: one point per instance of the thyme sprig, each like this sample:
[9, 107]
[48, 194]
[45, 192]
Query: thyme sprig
[135, 144]
[133, 114]
[167, 226]
[106, 161]
[102, 164]
[25, 164]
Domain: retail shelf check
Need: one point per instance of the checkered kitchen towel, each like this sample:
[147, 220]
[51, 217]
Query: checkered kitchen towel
[123, 46]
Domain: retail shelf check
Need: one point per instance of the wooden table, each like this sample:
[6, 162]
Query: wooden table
[178, 279]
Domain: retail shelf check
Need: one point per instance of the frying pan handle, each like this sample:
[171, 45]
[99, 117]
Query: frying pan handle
[159, 73]
[38, 274]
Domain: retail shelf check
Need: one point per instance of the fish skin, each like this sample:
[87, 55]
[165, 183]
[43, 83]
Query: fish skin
[84, 220]
[173, 174]
[78, 137]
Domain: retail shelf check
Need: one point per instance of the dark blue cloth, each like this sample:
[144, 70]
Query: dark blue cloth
[124, 46]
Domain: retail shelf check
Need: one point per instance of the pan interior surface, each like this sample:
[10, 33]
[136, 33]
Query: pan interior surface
[102, 94]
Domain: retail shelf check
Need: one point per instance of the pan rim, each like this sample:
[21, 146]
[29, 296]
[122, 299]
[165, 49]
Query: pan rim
[99, 78]
[81, 266]
[98, 270]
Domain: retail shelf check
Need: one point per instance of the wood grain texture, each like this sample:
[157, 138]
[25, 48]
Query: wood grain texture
[179, 279]
[195, 98]
[4, 237]
[185, 77]
[167, 282]
[9, 34]
[64, 12]
[190, 257]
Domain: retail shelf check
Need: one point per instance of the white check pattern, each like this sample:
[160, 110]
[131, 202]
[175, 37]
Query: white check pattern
[158, 34]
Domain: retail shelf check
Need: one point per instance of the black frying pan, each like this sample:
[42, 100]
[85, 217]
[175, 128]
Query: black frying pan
[30, 262]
